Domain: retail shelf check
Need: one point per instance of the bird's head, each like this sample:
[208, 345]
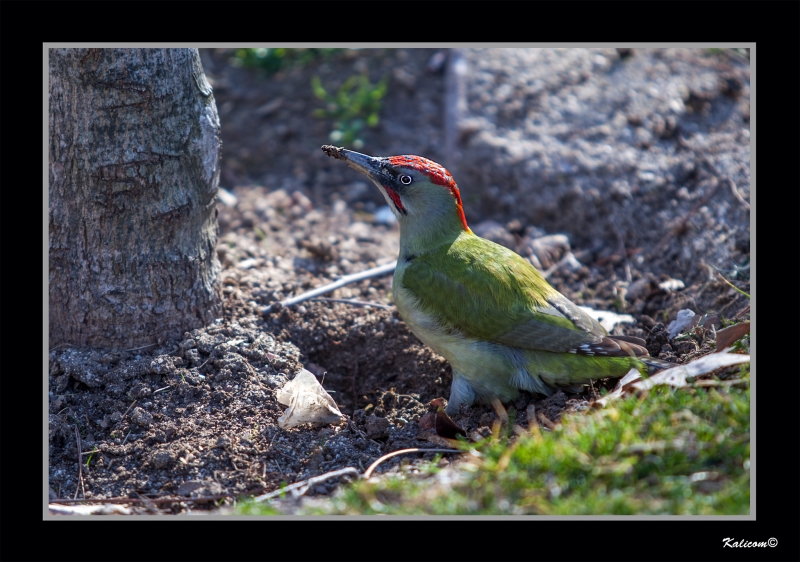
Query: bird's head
[419, 191]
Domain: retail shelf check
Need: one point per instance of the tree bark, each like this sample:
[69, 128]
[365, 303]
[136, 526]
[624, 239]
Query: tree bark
[134, 171]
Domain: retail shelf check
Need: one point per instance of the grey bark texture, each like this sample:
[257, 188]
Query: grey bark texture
[134, 172]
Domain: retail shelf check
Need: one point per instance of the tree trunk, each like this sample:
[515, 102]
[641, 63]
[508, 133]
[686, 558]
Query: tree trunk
[134, 170]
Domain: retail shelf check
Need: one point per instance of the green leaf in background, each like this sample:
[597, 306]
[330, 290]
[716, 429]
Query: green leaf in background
[356, 104]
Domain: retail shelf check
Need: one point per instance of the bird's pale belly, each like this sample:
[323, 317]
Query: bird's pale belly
[488, 367]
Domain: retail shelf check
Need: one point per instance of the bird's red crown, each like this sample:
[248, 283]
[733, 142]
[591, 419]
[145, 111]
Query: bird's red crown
[437, 174]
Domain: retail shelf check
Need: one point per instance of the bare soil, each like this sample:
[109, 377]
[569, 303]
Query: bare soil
[642, 161]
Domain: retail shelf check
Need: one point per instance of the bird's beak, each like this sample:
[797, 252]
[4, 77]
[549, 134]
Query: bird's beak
[368, 165]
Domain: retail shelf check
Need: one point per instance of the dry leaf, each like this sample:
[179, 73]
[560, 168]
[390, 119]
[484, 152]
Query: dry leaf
[437, 403]
[677, 376]
[445, 427]
[427, 421]
[731, 334]
[107, 509]
[308, 402]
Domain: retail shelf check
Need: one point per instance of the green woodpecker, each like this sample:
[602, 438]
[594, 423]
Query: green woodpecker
[481, 306]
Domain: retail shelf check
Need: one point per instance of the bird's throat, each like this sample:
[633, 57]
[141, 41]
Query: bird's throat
[395, 199]
[418, 238]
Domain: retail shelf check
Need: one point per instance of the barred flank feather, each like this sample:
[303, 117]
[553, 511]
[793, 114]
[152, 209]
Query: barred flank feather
[654, 364]
[614, 346]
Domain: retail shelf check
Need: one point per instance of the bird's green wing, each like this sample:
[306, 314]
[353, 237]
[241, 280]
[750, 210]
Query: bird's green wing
[488, 292]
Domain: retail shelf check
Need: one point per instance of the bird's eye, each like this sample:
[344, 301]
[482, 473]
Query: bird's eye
[405, 180]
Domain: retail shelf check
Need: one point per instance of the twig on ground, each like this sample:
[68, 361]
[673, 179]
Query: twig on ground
[300, 488]
[80, 465]
[374, 465]
[347, 279]
[143, 499]
[354, 302]
[129, 408]
[141, 347]
[738, 194]
[297, 489]
[718, 273]
[126, 437]
[148, 503]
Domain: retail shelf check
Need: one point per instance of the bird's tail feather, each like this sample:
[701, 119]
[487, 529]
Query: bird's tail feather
[654, 364]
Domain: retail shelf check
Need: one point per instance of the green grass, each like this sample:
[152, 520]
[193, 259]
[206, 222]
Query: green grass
[673, 452]
[252, 508]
